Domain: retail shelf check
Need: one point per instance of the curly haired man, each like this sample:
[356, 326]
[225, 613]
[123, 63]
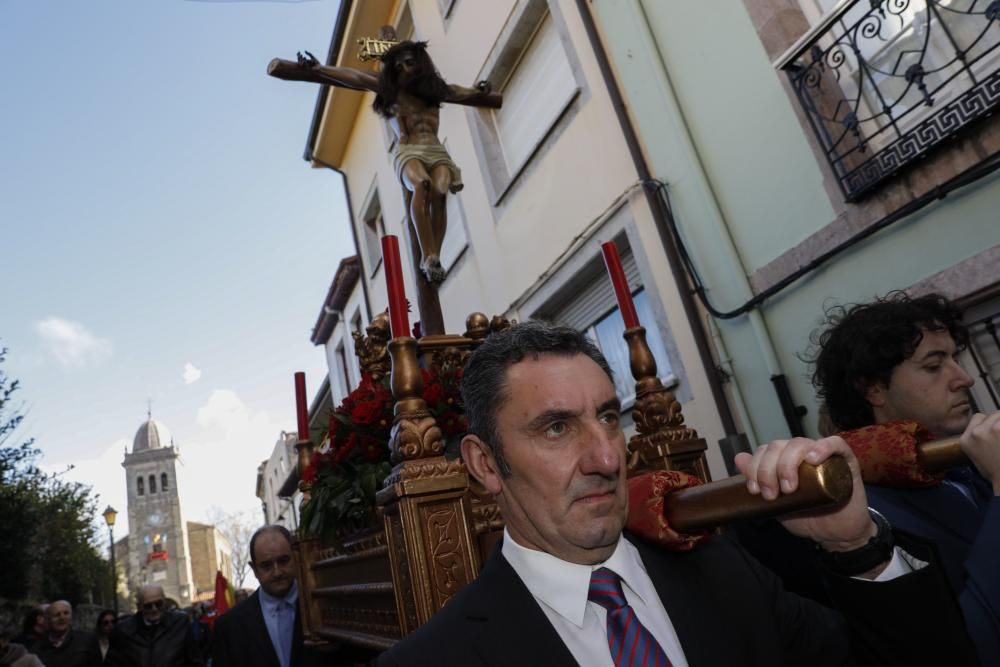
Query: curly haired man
[897, 358]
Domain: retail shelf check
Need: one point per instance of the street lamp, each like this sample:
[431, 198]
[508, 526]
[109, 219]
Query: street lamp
[109, 518]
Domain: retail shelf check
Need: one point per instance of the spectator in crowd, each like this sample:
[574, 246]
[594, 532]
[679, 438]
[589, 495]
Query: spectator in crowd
[62, 646]
[32, 627]
[105, 625]
[265, 631]
[14, 654]
[153, 636]
[201, 631]
[566, 585]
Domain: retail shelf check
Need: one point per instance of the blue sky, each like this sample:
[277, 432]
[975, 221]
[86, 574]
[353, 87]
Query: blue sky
[156, 217]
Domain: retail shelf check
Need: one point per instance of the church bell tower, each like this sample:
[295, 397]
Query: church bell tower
[158, 548]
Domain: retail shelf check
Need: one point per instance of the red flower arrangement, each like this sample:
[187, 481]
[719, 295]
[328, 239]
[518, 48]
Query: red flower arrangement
[353, 463]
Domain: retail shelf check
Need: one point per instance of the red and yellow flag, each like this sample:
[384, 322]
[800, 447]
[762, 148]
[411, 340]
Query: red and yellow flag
[225, 597]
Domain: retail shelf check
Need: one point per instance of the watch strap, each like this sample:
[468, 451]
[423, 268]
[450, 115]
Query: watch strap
[863, 559]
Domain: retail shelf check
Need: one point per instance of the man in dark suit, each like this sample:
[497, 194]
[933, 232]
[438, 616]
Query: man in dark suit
[264, 630]
[568, 587]
[896, 358]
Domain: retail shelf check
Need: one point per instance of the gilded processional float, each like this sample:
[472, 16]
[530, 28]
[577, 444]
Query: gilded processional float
[394, 525]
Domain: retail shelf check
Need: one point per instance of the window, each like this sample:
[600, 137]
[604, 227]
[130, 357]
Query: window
[984, 349]
[589, 305]
[139, 486]
[446, 6]
[163, 482]
[404, 24]
[152, 483]
[374, 230]
[535, 68]
[608, 334]
[535, 95]
[456, 238]
[884, 82]
[342, 368]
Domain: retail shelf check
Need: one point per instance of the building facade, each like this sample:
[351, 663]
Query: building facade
[345, 312]
[816, 153]
[547, 178]
[272, 476]
[162, 547]
[211, 552]
[158, 547]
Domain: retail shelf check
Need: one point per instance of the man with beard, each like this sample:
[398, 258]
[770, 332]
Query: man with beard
[409, 93]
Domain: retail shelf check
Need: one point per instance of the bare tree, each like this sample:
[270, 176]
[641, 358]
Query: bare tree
[237, 527]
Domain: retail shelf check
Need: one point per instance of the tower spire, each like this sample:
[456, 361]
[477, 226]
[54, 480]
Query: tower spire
[149, 408]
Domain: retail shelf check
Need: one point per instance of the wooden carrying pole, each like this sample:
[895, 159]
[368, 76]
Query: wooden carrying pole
[664, 442]
[939, 455]
[820, 487]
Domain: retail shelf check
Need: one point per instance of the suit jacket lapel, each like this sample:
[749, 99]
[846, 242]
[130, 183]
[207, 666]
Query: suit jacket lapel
[512, 628]
[946, 508]
[258, 630]
[686, 598]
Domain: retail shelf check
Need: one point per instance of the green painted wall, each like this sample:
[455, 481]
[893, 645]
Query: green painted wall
[717, 125]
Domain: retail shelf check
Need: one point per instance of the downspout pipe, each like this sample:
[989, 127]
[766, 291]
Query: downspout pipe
[660, 216]
[791, 412]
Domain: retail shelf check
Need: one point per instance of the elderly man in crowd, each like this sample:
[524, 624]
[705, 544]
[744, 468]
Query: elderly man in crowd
[568, 587]
[153, 636]
[62, 646]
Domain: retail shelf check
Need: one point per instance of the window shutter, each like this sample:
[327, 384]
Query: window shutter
[597, 298]
[539, 89]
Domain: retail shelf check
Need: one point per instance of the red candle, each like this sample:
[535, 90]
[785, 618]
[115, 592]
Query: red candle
[300, 405]
[399, 321]
[617, 274]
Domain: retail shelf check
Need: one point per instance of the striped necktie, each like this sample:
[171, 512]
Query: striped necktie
[631, 644]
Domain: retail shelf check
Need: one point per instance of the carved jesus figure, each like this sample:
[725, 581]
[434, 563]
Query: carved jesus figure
[409, 93]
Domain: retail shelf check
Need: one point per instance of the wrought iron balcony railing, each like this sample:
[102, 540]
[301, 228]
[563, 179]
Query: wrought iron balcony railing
[885, 81]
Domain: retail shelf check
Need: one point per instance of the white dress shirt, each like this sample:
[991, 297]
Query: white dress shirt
[279, 618]
[561, 590]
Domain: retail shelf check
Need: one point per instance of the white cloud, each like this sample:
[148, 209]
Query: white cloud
[71, 343]
[221, 459]
[191, 374]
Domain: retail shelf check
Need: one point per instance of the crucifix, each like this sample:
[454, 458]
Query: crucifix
[408, 94]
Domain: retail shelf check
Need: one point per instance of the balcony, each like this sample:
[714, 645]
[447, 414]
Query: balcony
[883, 82]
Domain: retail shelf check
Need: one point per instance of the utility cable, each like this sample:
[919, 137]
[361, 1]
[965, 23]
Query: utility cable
[980, 171]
